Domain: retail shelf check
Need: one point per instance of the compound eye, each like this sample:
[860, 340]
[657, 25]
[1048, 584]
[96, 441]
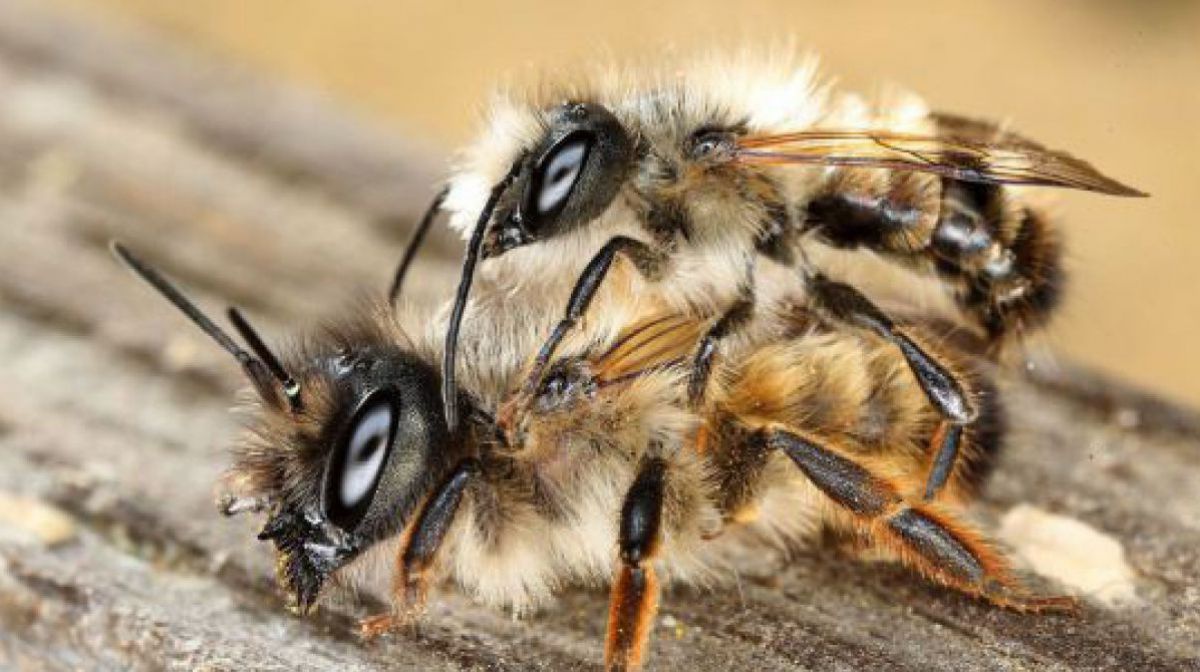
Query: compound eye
[555, 175]
[358, 463]
[711, 144]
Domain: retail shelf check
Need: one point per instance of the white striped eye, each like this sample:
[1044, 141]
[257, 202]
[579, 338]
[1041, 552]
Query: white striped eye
[556, 174]
[355, 470]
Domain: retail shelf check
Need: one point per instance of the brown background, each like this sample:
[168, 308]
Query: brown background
[114, 413]
[1118, 83]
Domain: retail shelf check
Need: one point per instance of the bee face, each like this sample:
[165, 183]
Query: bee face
[566, 180]
[360, 441]
[353, 472]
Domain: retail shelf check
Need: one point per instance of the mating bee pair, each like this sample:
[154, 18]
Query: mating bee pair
[707, 373]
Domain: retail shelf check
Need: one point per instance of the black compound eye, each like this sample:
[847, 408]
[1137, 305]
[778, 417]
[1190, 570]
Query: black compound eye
[555, 175]
[358, 463]
[709, 143]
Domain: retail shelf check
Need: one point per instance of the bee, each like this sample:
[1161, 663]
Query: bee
[604, 469]
[688, 177]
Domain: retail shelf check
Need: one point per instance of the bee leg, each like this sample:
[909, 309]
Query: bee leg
[949, 392]
[945, 390]
[737, 315]
[946, 439]
[418, 550]
[635, 591]
[931, 539]
[647, 261]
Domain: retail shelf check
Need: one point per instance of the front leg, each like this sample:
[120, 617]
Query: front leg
[635, 589]
[648, 262]
[736, 317]
[419, 549]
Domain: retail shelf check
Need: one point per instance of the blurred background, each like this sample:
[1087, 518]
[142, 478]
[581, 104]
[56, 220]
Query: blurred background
[1115, 82]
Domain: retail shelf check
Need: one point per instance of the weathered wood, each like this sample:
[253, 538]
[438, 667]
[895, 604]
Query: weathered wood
[113, 413]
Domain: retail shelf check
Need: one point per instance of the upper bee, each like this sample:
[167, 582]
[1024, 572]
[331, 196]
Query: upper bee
[696, 175]
[577, 145]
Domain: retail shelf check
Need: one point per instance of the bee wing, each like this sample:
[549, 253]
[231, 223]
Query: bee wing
[961, 148]
[651, 344]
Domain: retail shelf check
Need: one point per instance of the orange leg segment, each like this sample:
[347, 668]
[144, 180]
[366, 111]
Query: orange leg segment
[418, 551]
[635, 591]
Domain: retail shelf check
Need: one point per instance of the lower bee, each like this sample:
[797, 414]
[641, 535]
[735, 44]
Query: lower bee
[821, 431]
[604, 469]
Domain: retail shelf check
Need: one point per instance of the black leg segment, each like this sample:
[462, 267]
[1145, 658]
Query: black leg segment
[948, 440]
[846, 304]
[585, 289]
[429, 531]
[844, 481]
[734, 318]
[634, 599]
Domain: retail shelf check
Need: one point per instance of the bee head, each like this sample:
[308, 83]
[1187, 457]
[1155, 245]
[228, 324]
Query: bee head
[351, 468]
[566, 180]
[346, 436]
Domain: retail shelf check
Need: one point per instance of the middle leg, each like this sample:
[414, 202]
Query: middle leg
[648, 262]
[947, 390]
[635, 589]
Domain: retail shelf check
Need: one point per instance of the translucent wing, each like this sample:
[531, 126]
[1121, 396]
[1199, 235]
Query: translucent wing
[650, 344]
[961, 148]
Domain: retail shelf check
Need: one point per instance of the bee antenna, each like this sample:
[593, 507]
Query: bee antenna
[255, 369]
[414, 244]
[449, 388]
[291, 388]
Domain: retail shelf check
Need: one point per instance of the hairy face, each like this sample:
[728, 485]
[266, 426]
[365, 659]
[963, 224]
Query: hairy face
[349, 469]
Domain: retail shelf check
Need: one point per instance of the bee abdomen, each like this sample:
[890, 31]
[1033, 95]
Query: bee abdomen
[1004, 257]
[1007, 257]
[861, 208]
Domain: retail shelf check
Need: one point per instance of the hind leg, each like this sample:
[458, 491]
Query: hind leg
[933, 540]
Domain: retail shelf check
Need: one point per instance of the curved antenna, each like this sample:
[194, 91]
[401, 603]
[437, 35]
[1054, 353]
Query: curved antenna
[449, 388]
[291, 389]
[255, 370]
[414, 244]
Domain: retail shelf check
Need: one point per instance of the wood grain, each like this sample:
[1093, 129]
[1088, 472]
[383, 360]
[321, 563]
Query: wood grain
[114, 412]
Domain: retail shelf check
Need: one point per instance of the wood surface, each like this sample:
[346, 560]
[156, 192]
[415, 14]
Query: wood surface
[114, 412]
